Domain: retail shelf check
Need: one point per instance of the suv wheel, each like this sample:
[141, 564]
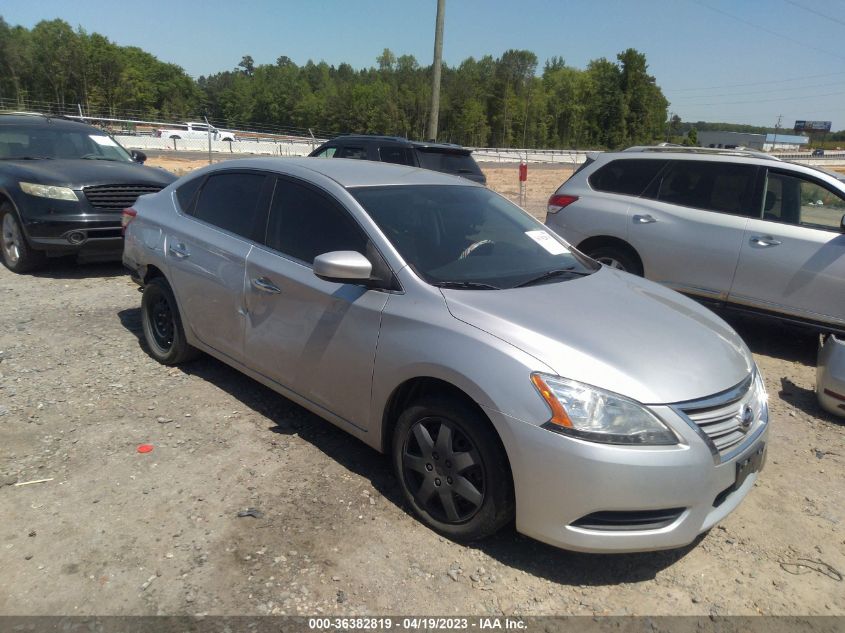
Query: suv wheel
[453, 472]
[617, 258]
[17, 254]
[163, 331]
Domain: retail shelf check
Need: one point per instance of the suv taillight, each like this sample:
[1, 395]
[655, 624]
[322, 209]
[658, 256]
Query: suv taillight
[559, 201]
[126, 217]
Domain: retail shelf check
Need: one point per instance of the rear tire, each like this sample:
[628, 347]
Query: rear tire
[618, 258]
[162, 325]
[452, 469]
[18, 255]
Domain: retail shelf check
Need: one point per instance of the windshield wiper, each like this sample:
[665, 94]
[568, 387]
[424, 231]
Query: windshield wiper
[551, 274]
[27, 158]
[465, 285]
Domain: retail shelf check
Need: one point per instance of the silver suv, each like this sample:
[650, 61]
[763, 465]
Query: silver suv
[739, 228]
[434, 320]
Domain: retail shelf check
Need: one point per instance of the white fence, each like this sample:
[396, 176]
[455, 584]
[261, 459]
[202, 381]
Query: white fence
[263, 147]
[303, 147]
[306, 146]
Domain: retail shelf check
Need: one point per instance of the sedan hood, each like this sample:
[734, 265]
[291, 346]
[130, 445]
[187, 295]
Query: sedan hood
[614, 331]
[83, 173]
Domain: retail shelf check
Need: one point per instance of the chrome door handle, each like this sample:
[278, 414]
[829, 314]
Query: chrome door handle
[644, 219]
[265, 285]
[178, 250]
[764, 240]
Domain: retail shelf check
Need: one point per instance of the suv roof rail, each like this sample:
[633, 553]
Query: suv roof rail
[383, 137]
[685, 149]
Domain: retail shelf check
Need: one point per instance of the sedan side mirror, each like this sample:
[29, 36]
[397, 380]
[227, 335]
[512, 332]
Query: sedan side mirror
[842, 223]
[138, 156]
[343, 267]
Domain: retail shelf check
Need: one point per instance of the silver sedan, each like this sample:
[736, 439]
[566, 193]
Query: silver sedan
[507, 375]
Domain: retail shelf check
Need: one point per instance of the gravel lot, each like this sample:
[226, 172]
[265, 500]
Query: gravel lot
[114, 531]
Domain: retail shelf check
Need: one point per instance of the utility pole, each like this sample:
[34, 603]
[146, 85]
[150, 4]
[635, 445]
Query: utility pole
[435, 81]
[777, 127]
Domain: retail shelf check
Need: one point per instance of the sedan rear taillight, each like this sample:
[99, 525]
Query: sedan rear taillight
[127, 217]
[559, 201]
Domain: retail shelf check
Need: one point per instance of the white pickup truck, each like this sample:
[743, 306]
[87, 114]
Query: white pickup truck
[195, 130]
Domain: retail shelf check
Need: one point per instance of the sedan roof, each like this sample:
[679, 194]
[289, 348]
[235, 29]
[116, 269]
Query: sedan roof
[350, 172]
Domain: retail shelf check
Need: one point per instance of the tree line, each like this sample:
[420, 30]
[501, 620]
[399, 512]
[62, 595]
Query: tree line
[502, 101]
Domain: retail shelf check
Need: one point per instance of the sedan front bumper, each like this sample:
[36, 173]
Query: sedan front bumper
[591, 497]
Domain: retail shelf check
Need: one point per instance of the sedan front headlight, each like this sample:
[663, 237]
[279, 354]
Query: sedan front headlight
[49, 191]
[599, 416]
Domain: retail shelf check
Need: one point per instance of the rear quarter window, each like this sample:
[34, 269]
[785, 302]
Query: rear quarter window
[186, 193]
[626, 176]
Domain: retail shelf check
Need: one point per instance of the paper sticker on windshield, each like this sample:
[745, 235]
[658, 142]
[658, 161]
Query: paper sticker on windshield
[103, 140]
[547, 242]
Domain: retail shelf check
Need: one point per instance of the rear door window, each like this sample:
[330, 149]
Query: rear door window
[714, 186]
[626, 176]
[230, 201]
[396, 154]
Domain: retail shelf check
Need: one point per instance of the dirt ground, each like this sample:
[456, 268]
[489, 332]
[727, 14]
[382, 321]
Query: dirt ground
[115, 531]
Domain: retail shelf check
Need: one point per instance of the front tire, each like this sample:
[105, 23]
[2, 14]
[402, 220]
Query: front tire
[452, 469]
[162, 325]
[17, 254]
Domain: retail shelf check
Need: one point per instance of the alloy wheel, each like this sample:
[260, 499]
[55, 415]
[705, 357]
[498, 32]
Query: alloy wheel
[611, 262]
[12, 239]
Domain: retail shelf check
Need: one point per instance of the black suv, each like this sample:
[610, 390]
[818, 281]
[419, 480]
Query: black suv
[444, 157]
[63, 186]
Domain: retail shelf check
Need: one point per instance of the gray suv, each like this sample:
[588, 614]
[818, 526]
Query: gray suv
[741, 229]
[437, 322]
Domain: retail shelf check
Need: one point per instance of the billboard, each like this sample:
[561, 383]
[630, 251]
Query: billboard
[812, 126]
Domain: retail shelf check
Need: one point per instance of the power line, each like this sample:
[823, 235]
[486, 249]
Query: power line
[767, 30]
[804, 97]
[757, 92]
[819, 13]
[758, 83]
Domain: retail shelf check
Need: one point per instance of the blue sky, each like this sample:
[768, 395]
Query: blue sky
[741, 61]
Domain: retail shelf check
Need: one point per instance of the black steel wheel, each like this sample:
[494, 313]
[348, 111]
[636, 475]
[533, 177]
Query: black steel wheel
[452, 468]
[162, 324]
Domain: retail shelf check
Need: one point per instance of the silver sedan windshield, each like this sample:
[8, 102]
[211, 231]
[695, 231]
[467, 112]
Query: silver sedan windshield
[469, 237]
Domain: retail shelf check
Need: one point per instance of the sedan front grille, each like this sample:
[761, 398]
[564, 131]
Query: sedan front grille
[117, 197]
[726, 419]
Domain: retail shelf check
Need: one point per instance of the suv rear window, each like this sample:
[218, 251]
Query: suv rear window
[626, 176]
[448, 162]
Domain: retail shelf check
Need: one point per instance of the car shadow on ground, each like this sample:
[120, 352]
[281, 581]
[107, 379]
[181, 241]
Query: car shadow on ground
[775, 338]
[68, 268]
[508, 547]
